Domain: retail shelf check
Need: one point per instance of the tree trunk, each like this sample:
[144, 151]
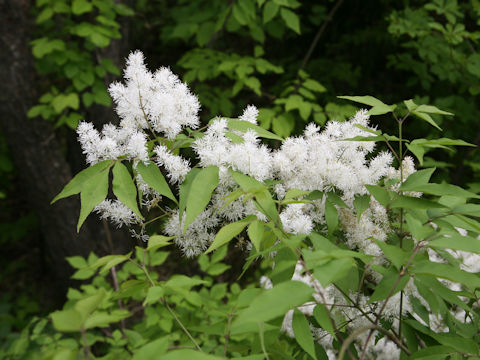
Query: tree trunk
[41, 166]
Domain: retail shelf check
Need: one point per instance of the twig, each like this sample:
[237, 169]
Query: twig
[314, 43]
[181, 325]
[113, 271]
[86, 347]
[319, 34]
[397, 281]
[227, 335]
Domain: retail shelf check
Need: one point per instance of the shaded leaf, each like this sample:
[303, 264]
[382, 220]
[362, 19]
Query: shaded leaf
[200, 193]
[302, 332]
[228, 232]
[152, 175]
[273, 303]
[94, 191]
[124, 188]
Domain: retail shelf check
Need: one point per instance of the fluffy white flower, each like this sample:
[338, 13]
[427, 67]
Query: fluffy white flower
[198, 235]
[250, 114]
[157, 101]
[116, 212]
[177, 167]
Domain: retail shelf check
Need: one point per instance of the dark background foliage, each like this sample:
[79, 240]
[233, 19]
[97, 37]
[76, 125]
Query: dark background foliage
[291, 59]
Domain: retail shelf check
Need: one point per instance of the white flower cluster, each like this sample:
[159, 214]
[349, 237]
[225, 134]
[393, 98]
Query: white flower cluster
[112, 143]
[325, 160]
[158, 101]
[318, 160]
[116, 212]
[157, 104]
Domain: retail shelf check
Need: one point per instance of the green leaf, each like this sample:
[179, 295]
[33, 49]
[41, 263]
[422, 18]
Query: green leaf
[283, 125]
[427, 118]
[152, 175]
[124, 188]
[217, 269]
[204, 33]
[361, 203]
[77, 262]
[420, 177]
[112, 260]
[183, 282]
[239, 14]
[273, 303]
[448, 272]
[291, 19]
[154, 294]
[36, 111]
[189, 354]
[422, 112]
[410, 104]
[263, 199]
[441, 290]
[228, 232]
[378, 107]
[67, 320]
[432, 110]
[385, 289]
[104, 319]
[407, 202]
[94, 191]
[302, 332]
[243, 126]
[314, 85]
[158, 241]
[394, 254]
[185, 190]
[457, 342]
[417, 150]
[44, 15]
[467, 209]
[201, 189]
[331, 216]
[293, 102]
[334, 270]
[336, 200]
[457, 242]
[81, 6]
[433, 352]
[255, 233]
[254, 84]
[321, 315]
[61, 102]
[379, 193]
[154, 349]
[416, 228]
[419, 146]
[295, 193]
[107, 262]
[270, 10]
[89, 304]
[442, 190]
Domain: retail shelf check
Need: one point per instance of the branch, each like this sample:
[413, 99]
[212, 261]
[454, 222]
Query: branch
[319, 34]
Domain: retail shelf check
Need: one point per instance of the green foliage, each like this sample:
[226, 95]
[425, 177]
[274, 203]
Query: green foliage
[70, 57]
[179, 313]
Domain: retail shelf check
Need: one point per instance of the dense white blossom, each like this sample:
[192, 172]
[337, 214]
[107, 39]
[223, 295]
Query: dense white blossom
[198, 235]
[158, 101]
[158, 107]
[112, 143]
[177, 167]
[250, 114]
[117, 213]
